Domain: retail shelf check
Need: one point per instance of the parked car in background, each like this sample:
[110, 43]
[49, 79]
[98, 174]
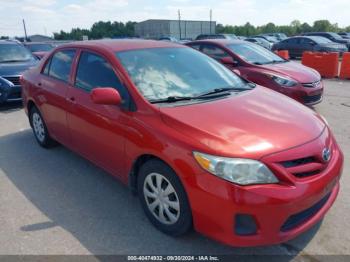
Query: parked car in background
[278, 36]
[265, 68]
[201, 146]
[334, 37]
[268, 38]
[169, 39]
[240, 37]
[39, 49]
[14, 60]
[260, 41]
[216, 36]
[297, 45]
[345, 35]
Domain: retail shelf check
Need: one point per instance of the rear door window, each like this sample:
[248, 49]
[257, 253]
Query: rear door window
[61, 64]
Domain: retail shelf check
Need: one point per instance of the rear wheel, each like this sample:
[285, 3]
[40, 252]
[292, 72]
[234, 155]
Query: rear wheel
[163, 198]
[39, 129]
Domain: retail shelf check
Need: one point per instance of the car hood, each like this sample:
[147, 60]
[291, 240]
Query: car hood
[16, 68]
[343, 41]
[251, 124]
[297, 71]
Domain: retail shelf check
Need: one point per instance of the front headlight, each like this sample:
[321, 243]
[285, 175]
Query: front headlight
[237, 170]
[283, 81]
[5, 83]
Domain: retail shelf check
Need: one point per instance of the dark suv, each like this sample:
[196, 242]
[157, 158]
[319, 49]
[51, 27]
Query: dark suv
[14, 60]
[331, 36]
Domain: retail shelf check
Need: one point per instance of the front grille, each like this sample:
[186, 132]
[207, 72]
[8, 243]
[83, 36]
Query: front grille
[307, 174]
[14, 95]
[312, 99]
[297, 219]
[304, 167]
[312, 85]
[13, 79]
[298, 162]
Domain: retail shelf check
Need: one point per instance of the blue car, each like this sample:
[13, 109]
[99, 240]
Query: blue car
[14, 60]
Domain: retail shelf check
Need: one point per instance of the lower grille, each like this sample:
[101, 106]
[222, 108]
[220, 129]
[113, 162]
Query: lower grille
[312, 99]
[14, 95]
[300, 218]
[13, 79]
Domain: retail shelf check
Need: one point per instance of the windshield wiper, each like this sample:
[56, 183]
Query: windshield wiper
[12, 61]
[224, 90]
[271, 62]
[279, 61]
[207, 95]
[171, 99]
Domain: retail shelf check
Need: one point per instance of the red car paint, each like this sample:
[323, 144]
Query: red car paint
[259, 124]
[309, 88]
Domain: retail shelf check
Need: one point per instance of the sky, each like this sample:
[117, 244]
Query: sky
[48, 16]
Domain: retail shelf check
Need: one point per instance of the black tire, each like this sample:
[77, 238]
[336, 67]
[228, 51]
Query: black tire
[45, 140]
[184, 221]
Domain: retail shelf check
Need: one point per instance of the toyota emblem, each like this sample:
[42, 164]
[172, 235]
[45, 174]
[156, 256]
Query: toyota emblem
[326, 154]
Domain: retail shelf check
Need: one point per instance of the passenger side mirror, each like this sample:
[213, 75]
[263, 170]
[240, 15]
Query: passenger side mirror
[228, 60]
[105, 96]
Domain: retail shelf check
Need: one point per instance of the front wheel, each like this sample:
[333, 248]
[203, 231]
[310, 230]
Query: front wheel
[163, 198]
[39, 129]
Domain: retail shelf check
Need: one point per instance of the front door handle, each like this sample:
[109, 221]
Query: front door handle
[72, 100]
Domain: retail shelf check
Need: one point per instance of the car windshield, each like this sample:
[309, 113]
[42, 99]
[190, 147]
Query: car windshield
[255, 54]
[321, 40]
[262, 41]
[14, 53]
[231, 36]
[39, 47]
[271, 38]
[159, 73]
[336, 36]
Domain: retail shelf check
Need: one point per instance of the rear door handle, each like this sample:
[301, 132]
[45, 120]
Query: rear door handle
[39, 84]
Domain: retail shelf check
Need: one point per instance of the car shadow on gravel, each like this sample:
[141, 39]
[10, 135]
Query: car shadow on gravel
[98, 210]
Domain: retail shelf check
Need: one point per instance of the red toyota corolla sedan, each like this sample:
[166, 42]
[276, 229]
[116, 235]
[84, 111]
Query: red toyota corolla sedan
[202, 147]
[265, 68]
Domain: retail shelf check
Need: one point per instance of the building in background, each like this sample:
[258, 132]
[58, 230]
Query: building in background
[185, 29]
[39, 38]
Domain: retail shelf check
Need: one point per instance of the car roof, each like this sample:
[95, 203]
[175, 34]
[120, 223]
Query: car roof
[219, 41]
[9, 42]
[119, 45]
[315, 38]
[37, 43]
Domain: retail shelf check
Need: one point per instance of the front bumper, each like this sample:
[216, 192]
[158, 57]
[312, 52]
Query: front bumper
[305, 93]
[280, 211]
[10, 94]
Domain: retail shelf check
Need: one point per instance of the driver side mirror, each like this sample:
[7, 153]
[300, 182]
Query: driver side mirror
[105, 96]
[228, 60]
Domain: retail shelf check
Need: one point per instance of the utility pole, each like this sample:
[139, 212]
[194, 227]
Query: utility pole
[179, 15]
[25, 31]
[211, 16]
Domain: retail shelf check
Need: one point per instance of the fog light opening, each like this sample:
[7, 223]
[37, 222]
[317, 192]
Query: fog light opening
[245, 225]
